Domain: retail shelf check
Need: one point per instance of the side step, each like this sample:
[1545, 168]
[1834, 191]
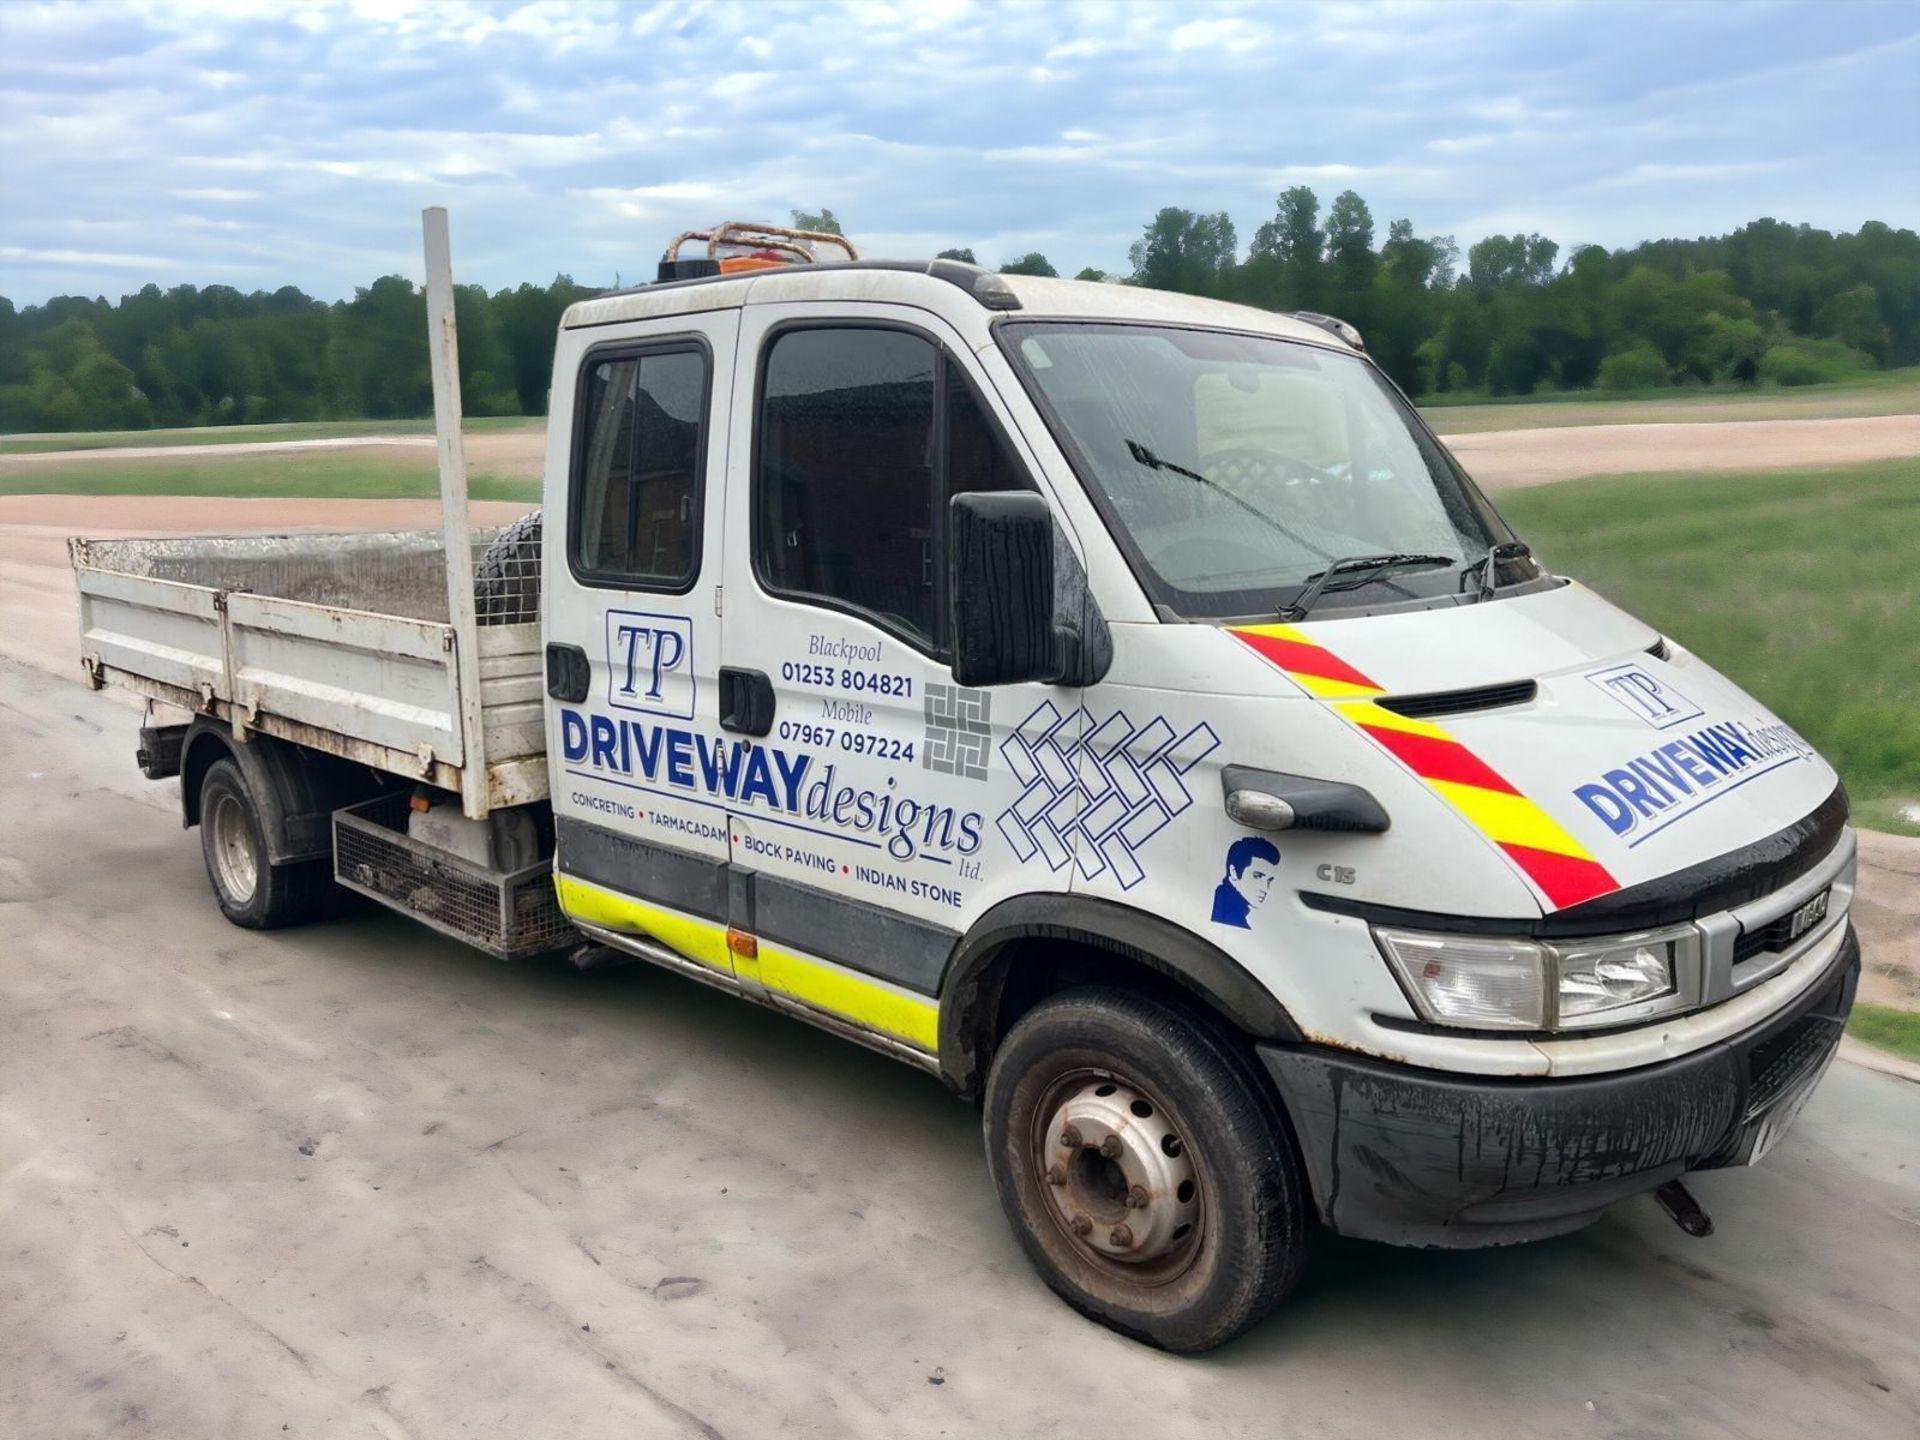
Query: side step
[512, 916]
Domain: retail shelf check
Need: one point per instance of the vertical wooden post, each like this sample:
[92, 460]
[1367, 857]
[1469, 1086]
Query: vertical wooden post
[443, 346]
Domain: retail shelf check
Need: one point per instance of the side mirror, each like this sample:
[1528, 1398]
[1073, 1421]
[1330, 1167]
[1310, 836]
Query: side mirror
[1019, 604]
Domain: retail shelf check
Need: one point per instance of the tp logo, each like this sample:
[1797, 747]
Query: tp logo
[1653, 700]
[650, 663]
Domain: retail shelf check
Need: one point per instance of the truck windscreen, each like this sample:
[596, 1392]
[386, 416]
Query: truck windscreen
[1235, 468]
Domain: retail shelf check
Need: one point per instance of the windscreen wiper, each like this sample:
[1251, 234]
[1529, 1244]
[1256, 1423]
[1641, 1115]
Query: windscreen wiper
[1485, 571]
[1371, 567]
[1146, 457]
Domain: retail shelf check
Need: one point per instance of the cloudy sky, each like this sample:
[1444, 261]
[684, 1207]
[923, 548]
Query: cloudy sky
[266, 142]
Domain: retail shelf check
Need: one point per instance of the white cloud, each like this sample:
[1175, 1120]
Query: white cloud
[1688, 173]
[579, 136]
[30, 255]
[1227, 33]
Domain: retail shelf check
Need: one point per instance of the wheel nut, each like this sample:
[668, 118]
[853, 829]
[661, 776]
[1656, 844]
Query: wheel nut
[1110, 1147]
[1137, 1198]
[1056, 1175]
[1122, 1236]
[1070, 1137]
[1080, 1225]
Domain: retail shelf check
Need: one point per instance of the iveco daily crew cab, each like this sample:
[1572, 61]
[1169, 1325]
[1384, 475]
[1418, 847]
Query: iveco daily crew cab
[1116, 703]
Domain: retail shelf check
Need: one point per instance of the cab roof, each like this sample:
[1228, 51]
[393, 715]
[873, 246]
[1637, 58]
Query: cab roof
[934, 285]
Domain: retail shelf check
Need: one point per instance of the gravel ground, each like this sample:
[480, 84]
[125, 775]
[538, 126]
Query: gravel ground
[355, 1180]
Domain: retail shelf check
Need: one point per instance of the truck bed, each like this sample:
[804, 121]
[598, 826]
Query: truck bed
[336, 642]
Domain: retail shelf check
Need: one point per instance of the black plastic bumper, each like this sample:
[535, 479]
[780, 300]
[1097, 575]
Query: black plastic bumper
[1420, 1157]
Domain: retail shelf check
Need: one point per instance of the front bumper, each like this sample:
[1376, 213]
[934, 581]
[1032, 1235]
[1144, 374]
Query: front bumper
[1417, 1157]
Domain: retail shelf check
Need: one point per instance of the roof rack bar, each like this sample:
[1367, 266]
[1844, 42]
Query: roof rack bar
[768, 237]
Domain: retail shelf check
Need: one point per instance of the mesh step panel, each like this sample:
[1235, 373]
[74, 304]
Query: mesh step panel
[509, 915]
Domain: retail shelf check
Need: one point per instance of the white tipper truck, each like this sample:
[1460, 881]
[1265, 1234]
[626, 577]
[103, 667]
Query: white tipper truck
[1116, 703]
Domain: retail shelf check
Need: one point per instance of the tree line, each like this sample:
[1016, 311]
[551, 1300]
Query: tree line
[1767, 303]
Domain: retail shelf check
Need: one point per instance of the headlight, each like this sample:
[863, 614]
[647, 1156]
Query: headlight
[1487, 983]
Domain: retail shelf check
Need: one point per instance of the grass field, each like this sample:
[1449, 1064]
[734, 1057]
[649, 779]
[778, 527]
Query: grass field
[1891, 392]
[289, 475]
[1894, 1030]
[246, 434]
[1803, 585]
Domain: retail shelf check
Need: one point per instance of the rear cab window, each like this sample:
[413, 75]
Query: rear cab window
[639, 452]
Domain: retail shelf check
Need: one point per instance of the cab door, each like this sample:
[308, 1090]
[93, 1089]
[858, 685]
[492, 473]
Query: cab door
[866, 814]
[635, 547]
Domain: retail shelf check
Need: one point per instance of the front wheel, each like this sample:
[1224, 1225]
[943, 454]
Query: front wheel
[252, 891]
[1146, 1174]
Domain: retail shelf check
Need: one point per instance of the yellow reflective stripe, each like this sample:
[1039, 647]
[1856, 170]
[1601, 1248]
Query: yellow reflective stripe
[1278, 632]
[873, 1004]
[1513, 819]
[1330, 689]
[702, 940]
[820, 984]
[1365, 712]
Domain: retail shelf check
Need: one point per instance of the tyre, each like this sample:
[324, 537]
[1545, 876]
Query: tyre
[252, 891]
[506, 580]
[1148, 1176]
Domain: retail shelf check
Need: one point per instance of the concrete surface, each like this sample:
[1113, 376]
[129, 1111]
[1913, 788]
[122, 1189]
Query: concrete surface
[355, 1180]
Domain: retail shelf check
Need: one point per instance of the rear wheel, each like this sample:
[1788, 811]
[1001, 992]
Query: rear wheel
[252, 891]
[1147, 1175]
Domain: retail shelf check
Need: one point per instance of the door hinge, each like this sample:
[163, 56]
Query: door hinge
[718, 591]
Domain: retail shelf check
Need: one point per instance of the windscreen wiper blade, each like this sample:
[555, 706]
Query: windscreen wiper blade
[1145, 456]
[1485, 570]
[1370, 567]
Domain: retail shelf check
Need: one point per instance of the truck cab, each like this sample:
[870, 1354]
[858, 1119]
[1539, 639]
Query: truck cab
[1117, 704]
[1120, 704]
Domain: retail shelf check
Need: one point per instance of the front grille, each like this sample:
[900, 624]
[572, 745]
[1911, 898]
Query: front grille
[1461, 702]
[1772, 938]
[509, 915]
[1776, 1066]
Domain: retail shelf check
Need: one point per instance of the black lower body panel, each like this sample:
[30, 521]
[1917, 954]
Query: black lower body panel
[1420, 1157]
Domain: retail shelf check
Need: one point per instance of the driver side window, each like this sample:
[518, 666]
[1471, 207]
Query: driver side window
[863, 433]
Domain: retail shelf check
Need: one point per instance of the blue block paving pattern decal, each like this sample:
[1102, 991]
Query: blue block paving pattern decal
[1097, 790]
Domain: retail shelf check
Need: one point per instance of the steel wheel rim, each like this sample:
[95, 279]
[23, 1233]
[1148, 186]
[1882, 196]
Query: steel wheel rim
[1120, 1195]
[236, 865]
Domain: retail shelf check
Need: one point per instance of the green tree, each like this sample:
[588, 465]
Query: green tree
[1184, 251]
[1285, 260]
[823, 221]
[1350, 244]
[960, 253]
[1032, 263]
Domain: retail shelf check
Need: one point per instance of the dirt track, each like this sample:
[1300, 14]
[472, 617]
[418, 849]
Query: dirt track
[1509, 459]
[39, 618]
[512, 454]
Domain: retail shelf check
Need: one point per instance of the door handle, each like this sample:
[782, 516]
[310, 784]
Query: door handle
[569, 676]
[746, 700]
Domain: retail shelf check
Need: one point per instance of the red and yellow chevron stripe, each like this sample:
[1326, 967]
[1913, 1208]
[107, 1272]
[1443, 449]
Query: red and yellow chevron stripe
[1558, 866]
